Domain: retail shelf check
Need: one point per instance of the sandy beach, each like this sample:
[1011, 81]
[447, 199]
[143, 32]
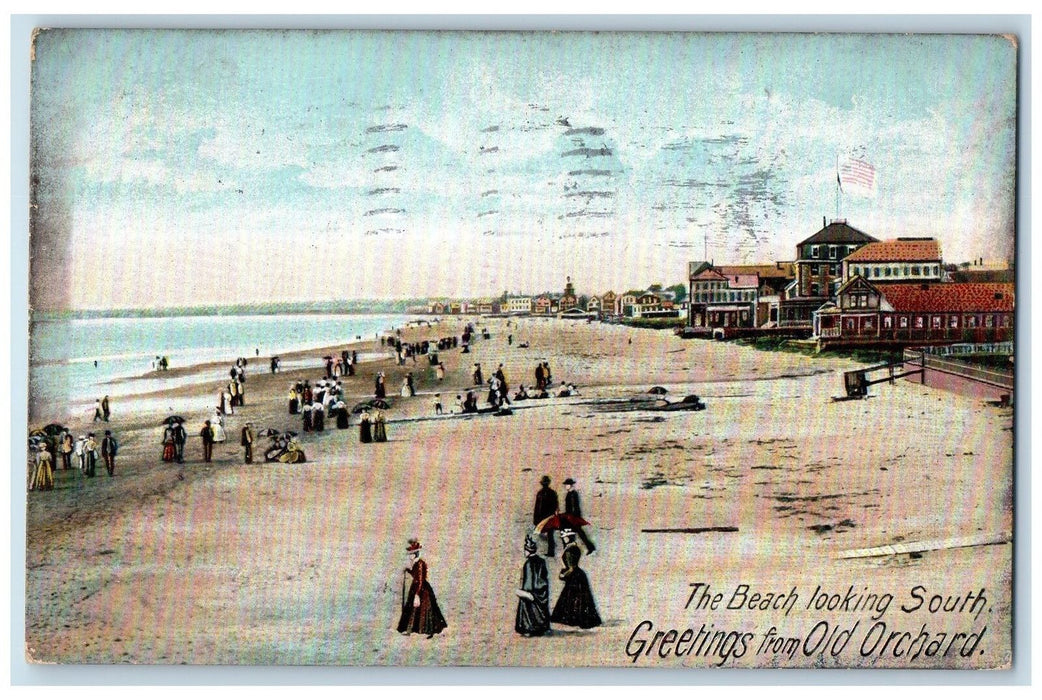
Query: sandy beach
[227, 563]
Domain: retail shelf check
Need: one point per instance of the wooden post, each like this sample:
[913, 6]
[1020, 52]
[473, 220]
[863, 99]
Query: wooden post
[922, 367]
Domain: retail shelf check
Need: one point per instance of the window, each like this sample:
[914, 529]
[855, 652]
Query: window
[906, 271]
[919, 322]
[989, 321]
[970, 322]
[886, 271]
[888, 322]
[850, 324]
[935, 323]
[814, 252]
[814, 289]
[915, 270]
[953, 321]
[869, 324]
[875, 272]
[814, 270]
[832, 252]
[1006, 320]
[902, 322]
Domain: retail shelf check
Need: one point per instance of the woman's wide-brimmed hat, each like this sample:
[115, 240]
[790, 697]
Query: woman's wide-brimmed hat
[545, 481]
[414, 546]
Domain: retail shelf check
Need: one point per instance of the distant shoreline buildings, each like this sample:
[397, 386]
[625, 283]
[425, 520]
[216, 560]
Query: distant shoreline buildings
[844, 287]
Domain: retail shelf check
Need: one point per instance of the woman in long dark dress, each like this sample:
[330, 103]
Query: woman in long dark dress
[365, 433]
[533, 605]
[379, 427]
[575, 606]
[420, 611]
[342, 416]
[380, 389]
[294, 401]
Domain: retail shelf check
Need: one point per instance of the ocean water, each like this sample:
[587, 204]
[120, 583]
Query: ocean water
[63, 377]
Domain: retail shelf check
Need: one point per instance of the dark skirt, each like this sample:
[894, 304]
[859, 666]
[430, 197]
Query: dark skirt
[293, 407]
[342, 418]
[379, 432]
[319, 422]
[365, 433]
[575, 607]
[533, 618]
[425, 619]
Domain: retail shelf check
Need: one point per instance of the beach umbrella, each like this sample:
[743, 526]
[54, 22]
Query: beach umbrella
[657, 390]
[378, 403]
[560, 521]
[360, 407]
[170, 420]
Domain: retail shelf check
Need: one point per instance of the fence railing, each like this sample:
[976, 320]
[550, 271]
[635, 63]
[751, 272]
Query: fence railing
[1005, 348]
[995, 377]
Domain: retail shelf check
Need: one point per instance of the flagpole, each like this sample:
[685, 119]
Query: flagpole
[839, 189]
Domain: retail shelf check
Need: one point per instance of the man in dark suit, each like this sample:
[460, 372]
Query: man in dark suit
[546, 504]
[571, 506]
[207, 435]
[108, 451]
[180, 438]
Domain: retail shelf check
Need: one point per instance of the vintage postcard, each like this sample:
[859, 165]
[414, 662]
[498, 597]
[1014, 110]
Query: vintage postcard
[547, 349]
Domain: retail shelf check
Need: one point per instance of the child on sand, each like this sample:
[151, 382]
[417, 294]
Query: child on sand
[438, 410]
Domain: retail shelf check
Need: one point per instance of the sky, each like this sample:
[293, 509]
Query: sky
[176, 168]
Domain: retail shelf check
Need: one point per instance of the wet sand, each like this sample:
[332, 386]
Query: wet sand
[227, 563]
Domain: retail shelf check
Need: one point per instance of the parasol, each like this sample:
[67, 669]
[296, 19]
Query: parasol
[52, 429]
[268, 432]
[657, 390]
[378, 403]
[170, 420]
[560, 521]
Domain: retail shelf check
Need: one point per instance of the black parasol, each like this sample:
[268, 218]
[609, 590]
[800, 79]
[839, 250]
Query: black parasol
[657, 390]
[170, 420]
[52, 429]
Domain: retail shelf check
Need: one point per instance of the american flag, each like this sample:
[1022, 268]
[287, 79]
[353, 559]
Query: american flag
[857, 177]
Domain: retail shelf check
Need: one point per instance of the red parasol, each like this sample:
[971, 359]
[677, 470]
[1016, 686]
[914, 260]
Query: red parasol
[560, 521]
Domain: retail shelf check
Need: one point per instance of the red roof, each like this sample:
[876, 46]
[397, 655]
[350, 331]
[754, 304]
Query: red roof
[900, 250]
[737, 281]
[709, 274]
[951, 296]
[782, 269]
